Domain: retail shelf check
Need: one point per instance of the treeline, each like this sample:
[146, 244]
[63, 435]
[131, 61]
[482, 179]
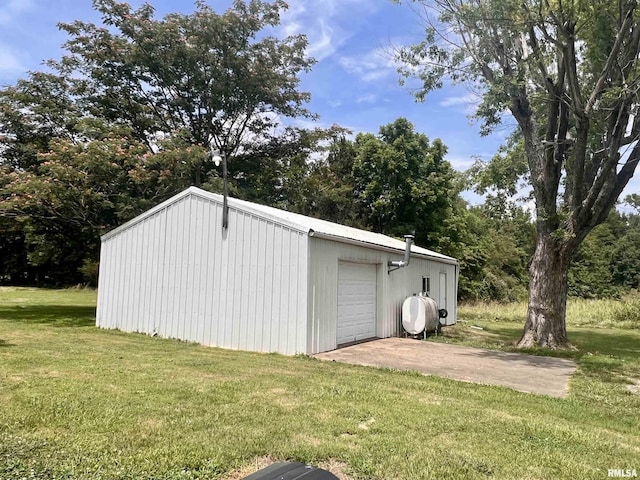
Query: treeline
[129, 116]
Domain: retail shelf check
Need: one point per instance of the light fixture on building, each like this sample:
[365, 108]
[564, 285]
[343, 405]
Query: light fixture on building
[217, 158]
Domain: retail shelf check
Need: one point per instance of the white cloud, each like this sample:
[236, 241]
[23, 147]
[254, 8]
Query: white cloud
[460, 162]
[323, 45]
[290, 24]
[326, 23]
[12, 9]
[368, 98]
[307, 123]
[463, 158]
[469, 100]
[291, 28]
[374, 65]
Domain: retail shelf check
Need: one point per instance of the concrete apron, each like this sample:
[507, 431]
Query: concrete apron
[525, 373]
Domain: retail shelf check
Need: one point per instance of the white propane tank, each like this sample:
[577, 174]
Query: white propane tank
[419, 313]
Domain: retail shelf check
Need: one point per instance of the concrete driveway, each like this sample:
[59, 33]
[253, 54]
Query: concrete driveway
[525, 373]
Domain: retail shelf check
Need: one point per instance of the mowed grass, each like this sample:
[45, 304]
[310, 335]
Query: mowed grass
[80, 402]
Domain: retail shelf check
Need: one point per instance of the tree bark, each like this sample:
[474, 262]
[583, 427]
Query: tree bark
[545, 325]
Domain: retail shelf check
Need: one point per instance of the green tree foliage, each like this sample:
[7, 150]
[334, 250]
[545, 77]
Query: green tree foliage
[465, 238]
[276, 172]
[79, 190]
[625, 259]
[216, 77]
[127, 117]
[503, 179]
[566, 72]
[32, 113]
[493, 248]
[608, 262]
[331, 184]
[590, 275]
[403, 183]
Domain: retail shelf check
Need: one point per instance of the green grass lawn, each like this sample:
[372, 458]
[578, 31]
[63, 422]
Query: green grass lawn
[78, 402]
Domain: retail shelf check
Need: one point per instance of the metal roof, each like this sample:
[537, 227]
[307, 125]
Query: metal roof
[311, 226]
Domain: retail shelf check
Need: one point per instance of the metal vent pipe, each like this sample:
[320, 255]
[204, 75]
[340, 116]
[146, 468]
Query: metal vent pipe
[396, 264]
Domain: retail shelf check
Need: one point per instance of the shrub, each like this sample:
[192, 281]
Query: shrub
[89, 270]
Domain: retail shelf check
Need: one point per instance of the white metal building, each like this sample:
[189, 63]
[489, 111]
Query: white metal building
[273, 281]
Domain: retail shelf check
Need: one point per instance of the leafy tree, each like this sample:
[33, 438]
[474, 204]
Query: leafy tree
[608, 261]
[78, 191]
[331, 184]
[14, 265]
[568, 74]
[465, 236]
[32, 113]
[208, 75]
[276, 173]
[403, 183]
[493, 249]
[590, 275]
[625, 260]
[624, 252]
[127, 117]
[63, 204]
[503, 178]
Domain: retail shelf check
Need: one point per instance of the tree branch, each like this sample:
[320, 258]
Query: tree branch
[611, 59]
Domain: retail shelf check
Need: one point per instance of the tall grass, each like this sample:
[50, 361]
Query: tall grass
[602, 313]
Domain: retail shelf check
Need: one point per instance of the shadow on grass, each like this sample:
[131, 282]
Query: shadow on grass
[606, 355]
[493, 336]
[624, 344]
[55, 315]
[603, 354]
[4, 343]
[618, 342]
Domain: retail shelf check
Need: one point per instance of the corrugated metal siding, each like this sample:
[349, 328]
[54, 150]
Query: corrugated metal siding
[392, 288]
[178, 273]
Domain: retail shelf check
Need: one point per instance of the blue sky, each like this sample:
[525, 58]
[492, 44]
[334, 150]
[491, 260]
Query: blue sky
[354, 83]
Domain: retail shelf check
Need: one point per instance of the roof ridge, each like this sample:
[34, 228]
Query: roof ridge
[297, 221]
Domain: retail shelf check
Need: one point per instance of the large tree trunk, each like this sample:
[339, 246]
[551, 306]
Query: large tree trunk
[546, 326]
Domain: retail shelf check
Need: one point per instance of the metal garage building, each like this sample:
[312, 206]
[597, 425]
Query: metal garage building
[273, 281]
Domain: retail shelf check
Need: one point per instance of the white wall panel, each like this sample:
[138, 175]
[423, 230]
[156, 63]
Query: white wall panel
[259, 285]
[392, 288]
[178, 273]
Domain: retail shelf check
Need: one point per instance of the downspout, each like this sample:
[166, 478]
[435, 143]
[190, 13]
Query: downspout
[396, 264]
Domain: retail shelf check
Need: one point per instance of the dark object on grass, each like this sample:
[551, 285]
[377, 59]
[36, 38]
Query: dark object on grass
[291, 471]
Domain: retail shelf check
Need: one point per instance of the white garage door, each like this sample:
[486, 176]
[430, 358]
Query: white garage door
[356, 302]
